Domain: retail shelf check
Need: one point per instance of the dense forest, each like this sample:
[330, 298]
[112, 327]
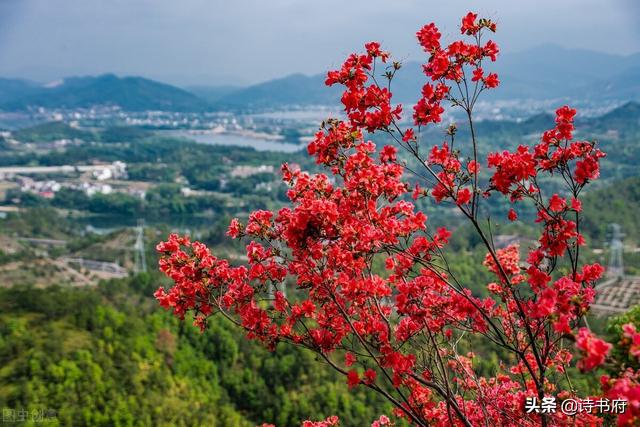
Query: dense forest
[108, 356]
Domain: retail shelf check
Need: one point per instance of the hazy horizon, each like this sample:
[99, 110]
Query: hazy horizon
[199, 42]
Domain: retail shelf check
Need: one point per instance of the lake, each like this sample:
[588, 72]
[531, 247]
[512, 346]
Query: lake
[239, 141]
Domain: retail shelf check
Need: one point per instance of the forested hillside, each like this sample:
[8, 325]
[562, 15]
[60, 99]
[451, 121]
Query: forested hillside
[618, 203]
[109, 357]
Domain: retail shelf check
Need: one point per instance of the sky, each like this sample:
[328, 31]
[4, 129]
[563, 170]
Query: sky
[241, 42]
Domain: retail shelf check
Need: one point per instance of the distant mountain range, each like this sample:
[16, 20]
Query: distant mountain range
[545, 72]
[129, 93]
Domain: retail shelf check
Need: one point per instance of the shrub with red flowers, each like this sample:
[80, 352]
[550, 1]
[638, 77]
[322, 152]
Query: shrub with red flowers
[309, 277]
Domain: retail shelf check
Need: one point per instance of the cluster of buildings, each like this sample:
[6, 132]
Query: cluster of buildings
[93, 178]
[108, 115]
[260, 126]
[244, 171]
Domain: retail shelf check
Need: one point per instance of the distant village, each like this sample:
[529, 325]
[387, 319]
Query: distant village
[108, 178]
[92, 179]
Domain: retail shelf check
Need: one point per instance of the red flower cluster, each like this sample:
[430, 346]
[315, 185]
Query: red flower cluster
[626, 384]
[428, 109]
[631, 339]
[310, 278]
[382, 421]
[367, 106]
[329, 422]
[595, 350]
[447, 66]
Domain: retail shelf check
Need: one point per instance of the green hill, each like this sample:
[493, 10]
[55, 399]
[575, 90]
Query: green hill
[296, 89]
[50, 131]
[110, 356]
[129, 93]
[15, 88]
[616, 203]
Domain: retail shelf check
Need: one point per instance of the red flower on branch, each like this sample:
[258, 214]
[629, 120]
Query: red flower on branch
[402, 321]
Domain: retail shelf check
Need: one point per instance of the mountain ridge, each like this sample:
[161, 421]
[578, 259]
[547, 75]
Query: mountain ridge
[544, 72]
[131, 93]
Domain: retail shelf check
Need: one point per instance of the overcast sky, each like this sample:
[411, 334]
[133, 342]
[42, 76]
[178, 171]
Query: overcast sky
[248, 41]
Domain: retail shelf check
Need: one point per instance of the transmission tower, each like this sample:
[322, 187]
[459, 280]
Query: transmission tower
[140, 259]
[616, 265]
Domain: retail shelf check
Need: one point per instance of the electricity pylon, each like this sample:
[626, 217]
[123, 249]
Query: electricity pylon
[140, 258]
